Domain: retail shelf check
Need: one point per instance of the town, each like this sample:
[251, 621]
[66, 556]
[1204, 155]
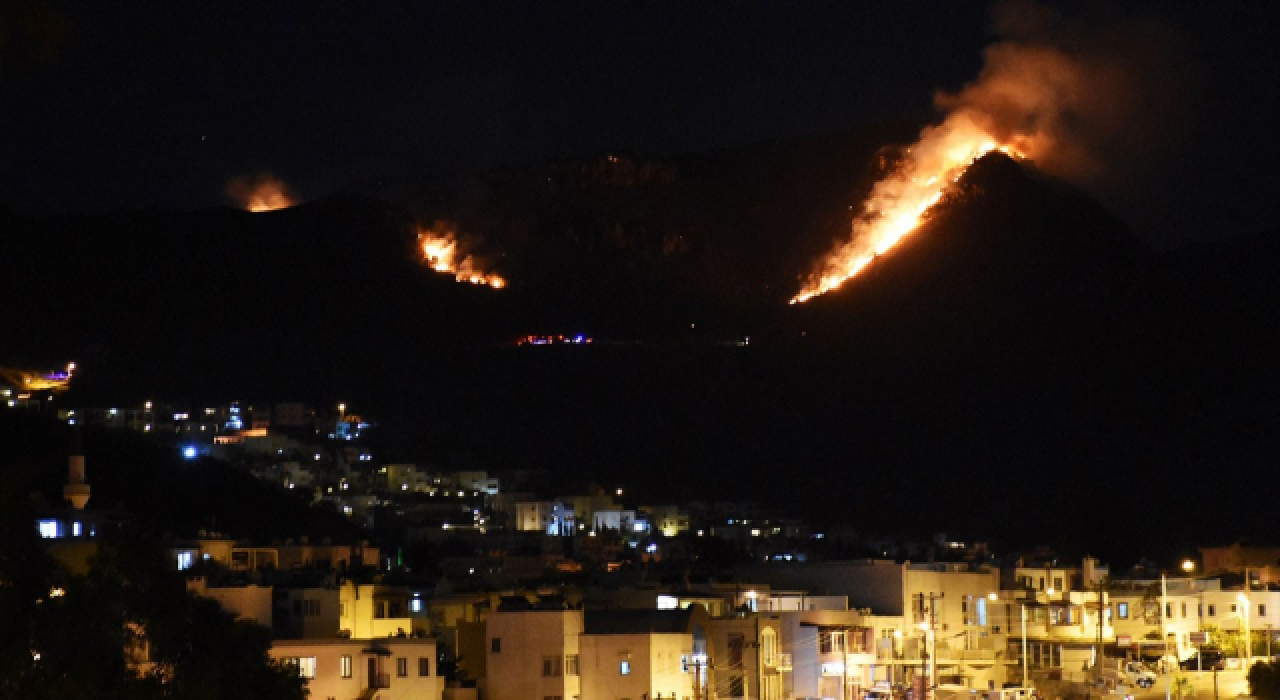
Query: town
[469, 584]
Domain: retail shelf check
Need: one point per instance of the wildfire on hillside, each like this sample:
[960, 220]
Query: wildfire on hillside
[258, 193]
[1073, 97]
[898, 203]
[443, 251]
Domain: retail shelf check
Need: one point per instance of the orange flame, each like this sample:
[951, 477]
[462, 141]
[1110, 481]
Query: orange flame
[897, 203]
[257, 193]
[442, 252]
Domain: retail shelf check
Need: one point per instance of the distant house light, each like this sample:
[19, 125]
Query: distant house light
[190, 452]
[48, 528]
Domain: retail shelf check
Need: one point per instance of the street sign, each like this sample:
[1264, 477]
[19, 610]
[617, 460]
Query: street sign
[1199, 638]
[1124, 640]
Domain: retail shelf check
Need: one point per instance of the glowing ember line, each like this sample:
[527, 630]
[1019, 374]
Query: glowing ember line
[442, 253]
[898, 202]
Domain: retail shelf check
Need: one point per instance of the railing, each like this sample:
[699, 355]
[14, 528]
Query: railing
[782, 661]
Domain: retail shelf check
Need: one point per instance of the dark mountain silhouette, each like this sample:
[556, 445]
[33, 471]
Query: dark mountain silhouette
[1020, 367]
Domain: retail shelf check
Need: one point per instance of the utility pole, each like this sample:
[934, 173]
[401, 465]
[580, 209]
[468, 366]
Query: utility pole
[930, 652]
[1097, 662]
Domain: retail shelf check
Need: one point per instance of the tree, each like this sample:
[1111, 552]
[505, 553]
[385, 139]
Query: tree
[1264, 680]
[128, 628]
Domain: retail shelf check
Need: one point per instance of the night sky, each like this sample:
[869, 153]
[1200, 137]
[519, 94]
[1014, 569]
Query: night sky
[160, 104]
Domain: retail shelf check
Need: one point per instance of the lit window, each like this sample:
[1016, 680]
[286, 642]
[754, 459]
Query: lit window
[346, 665]
[77, 529]
[1122, 611]
[304, 665]
[571, 665]
[185, 560]
[624, 668]
[49, 528]
[415, 605]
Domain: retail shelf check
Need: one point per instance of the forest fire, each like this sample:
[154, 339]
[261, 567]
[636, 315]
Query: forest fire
[898, 203]
[259, 193]
[443, 252]
[1071, 97]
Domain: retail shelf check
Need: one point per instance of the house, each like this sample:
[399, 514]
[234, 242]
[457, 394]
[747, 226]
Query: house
[386, 669]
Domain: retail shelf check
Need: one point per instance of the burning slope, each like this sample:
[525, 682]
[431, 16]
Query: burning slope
[899, 202]
[443, 251]
[1070, 97]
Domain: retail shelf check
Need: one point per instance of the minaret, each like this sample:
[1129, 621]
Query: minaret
[76, 490]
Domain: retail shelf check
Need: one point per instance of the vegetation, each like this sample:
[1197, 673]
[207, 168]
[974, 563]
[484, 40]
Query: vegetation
[1264, 680]
[127, 628]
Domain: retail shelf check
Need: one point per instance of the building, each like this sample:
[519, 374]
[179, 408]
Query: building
[646, 654]
[534, 654]
[388, 669]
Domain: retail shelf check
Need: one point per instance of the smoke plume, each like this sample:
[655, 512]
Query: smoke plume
[261, 192]
[1091, 100]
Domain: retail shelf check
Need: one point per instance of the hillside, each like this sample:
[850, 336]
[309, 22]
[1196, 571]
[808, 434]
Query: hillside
[1021, 367]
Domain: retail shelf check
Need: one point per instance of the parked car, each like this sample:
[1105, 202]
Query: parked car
[1139, 675]
[1204, 660]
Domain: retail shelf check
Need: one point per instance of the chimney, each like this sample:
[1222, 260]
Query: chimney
[76, 490]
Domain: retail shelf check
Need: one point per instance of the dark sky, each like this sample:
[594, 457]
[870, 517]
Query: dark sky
[107, 105]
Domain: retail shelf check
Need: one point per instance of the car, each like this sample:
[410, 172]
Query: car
[1204, 660]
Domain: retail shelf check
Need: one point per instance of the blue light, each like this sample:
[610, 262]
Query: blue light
[189, 452]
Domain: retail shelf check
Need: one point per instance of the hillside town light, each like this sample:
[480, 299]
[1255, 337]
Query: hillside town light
[1188, 565]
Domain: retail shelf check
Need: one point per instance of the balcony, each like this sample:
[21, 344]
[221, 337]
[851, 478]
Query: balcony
[782, 662]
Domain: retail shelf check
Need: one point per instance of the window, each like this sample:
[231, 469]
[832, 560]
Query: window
[1184, 611]
[770, 687]
[1212, 610]
[571, 665]
[830, 642]
[1057, 583]
[1262, 610]
[624, 668]
[1233, 607]
[304, 665]
[49, 528]
[495, 645]
[551, 666]
[415, 605]
[402, 667]
[424, 666]
[768, 646]
[346, 665]
[185, 560]
[1199, 609]
[1122, 610]
[1168, 611]
[306, 608]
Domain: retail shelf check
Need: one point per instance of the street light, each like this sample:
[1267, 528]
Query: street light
[1244, 620]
